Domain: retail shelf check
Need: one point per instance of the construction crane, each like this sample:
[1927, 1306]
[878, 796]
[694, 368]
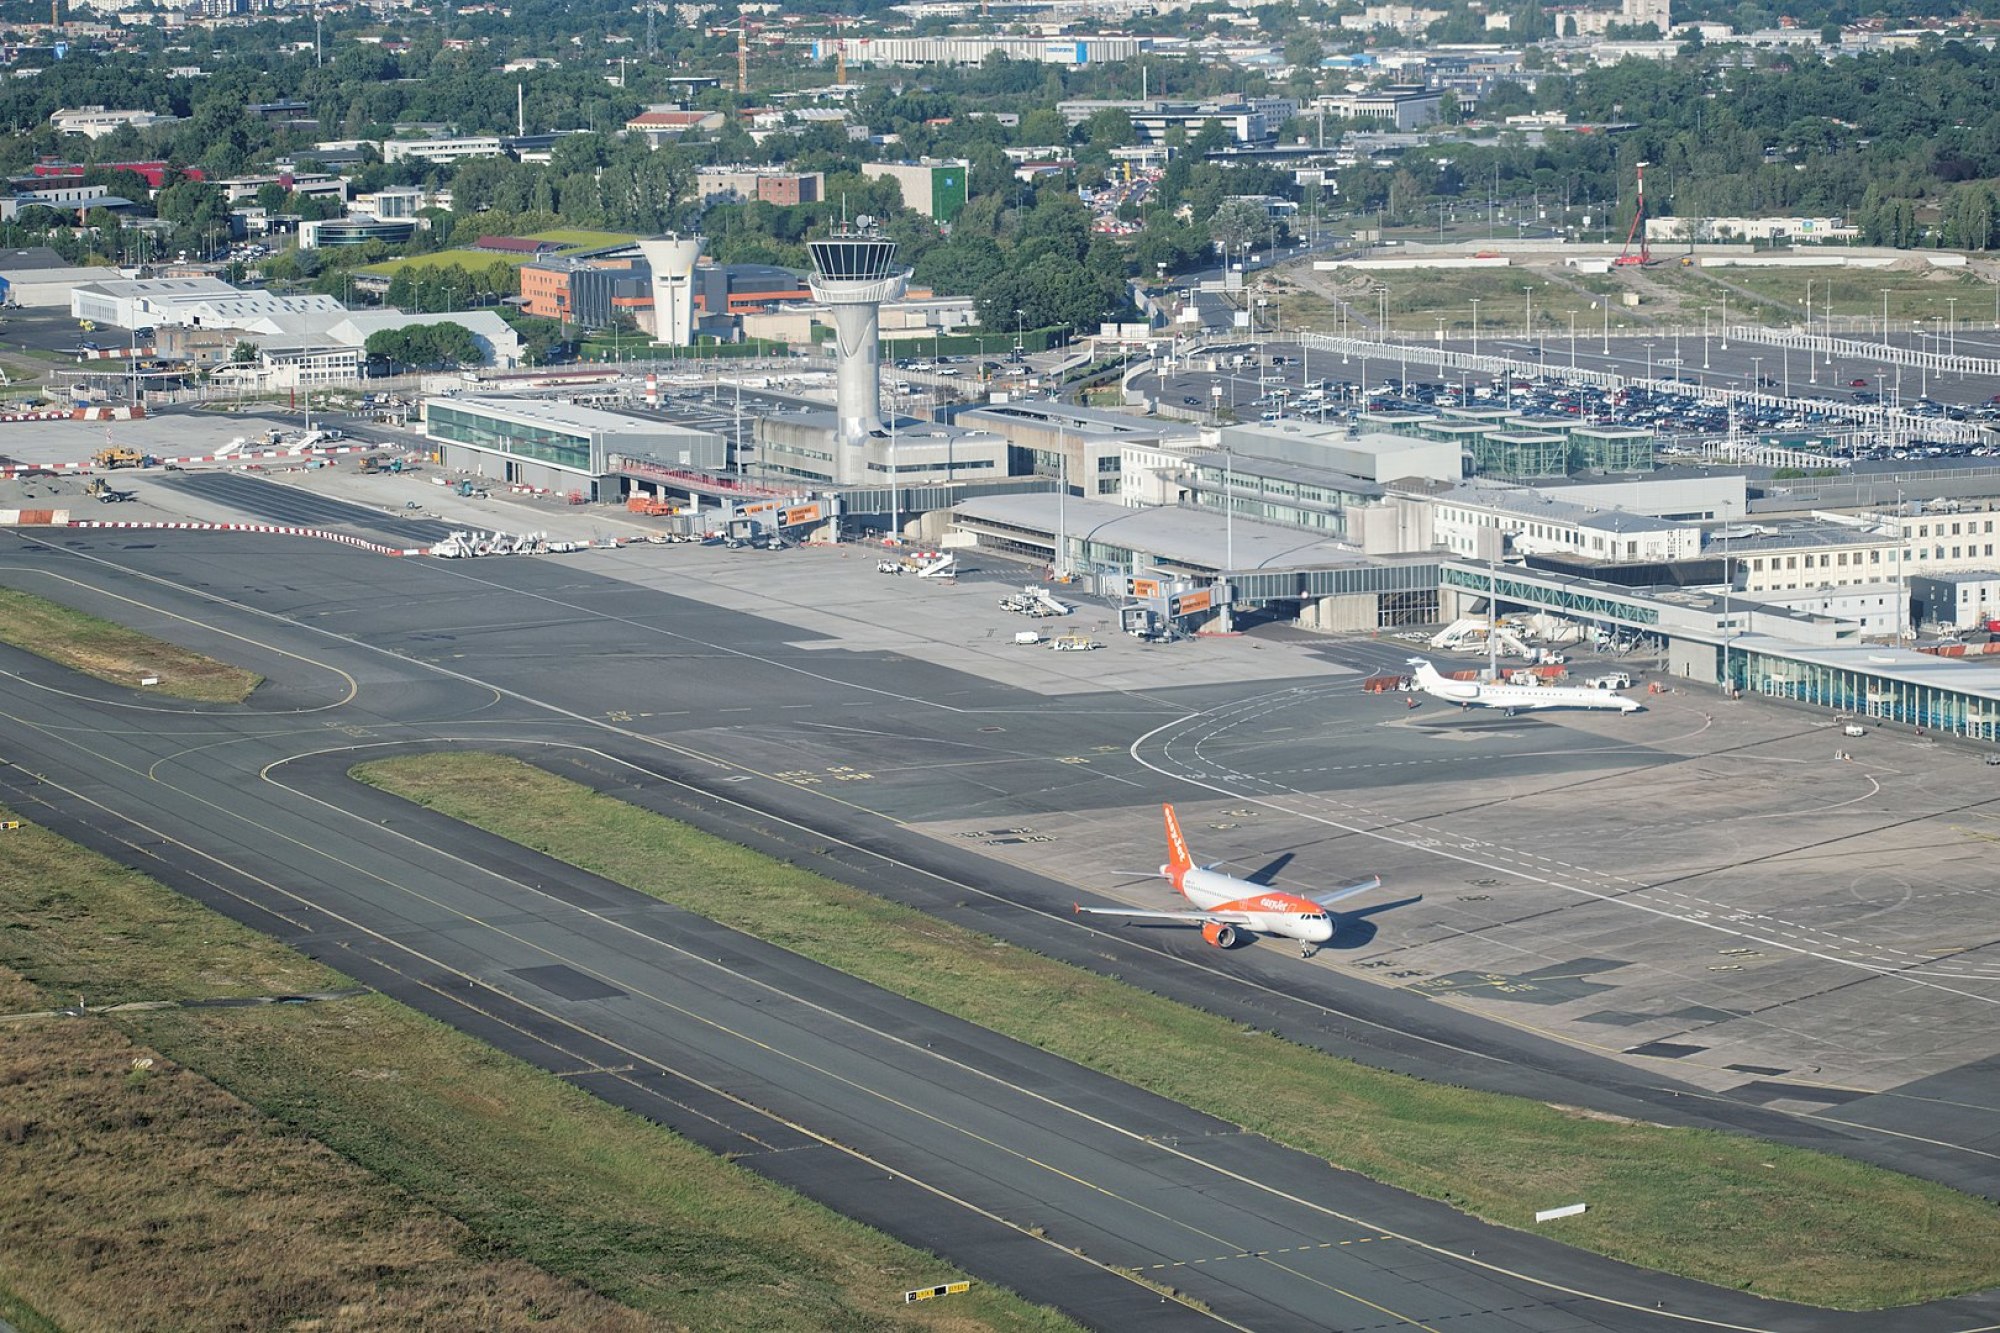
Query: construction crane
[1626, 257]
[742, 27]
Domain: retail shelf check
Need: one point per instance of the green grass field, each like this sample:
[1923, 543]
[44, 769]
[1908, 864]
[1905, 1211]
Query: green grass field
[1732, 1211]
[115, 654]
[463, 1188]
[1931, 295]
[570, 239]
[1416, 300]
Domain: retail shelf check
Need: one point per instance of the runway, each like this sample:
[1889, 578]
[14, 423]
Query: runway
[1021, 1167]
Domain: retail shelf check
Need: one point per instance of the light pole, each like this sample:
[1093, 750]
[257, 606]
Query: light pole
[1951, 326]
[1228, 532]
[1809, 283]
[1649, 359]
[1572, 340]
[1704, 337]
[1475, 326]
[1528, 312]
[1758, 362]
[1885, 316]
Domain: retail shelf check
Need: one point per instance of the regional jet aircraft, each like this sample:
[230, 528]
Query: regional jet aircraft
[1513, 698]
[1226, 907]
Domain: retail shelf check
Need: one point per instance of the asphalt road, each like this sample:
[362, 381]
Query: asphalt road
[292, 506]
[1022, 1168]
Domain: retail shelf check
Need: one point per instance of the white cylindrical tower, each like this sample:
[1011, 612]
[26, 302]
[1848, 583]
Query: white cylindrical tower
[672, 259]
[852, 278]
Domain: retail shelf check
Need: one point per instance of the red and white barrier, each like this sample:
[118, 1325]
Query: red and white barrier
[34, 518]
[261, 456]
[275, 529]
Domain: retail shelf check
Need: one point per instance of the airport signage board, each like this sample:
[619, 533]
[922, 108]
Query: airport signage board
[797, 514]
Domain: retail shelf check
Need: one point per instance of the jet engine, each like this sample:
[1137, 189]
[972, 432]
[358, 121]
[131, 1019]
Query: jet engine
[1219, 933]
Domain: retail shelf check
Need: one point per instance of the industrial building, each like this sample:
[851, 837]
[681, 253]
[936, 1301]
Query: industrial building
[333, 233]
[977, 50]
[936, 188]
[1399, 106]
[38, 278]
[1786, 555]
[1082, 445]
[1247, 120]
[667, 124]
[589, 291]
[1482, 522]
[558, 446]
[136, 303]
[441, 150]
[1961, 601]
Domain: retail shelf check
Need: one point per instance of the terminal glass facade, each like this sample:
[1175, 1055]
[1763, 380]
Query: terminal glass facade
[1502, 453]
[545, 444]
[1862, 694]
[1610, 449]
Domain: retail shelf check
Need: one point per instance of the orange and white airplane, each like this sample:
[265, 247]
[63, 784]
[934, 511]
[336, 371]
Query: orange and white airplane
[1226, 907]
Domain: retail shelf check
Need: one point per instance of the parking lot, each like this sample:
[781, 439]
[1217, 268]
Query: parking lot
[1276, 381]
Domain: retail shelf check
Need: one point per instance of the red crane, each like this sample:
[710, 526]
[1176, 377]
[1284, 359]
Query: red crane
[1626, 257]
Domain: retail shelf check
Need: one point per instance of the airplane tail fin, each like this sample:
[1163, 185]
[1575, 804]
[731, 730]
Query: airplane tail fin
[1178, 857]
[1426, 675]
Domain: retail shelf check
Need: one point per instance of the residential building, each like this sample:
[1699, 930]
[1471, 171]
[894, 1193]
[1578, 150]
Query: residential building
[736, 185]
[1409, 19]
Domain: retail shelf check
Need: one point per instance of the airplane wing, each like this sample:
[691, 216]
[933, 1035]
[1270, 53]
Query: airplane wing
[1185, 918]
[1328, 897]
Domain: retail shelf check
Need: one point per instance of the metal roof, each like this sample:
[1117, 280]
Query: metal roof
[1532, 504]
[1195, 538]
[1965, 675]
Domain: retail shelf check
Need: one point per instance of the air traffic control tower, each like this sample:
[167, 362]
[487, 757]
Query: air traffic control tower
[852, 277]
[672, 258]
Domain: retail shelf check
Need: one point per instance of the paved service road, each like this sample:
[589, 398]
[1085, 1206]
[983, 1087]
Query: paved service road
[1023, 1168]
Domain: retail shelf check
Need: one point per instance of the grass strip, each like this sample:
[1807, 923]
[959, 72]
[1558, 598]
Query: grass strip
[141, 1195]
[552, 1190]
[1780, 1221]
[115, 654]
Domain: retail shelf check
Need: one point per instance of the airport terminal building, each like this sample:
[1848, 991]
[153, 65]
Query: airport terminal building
[553, 446]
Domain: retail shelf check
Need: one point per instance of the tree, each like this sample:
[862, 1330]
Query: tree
[433, 346]
[1235, 223]
[244, 353]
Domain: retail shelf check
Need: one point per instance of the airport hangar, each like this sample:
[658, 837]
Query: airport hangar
[1159, 562]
